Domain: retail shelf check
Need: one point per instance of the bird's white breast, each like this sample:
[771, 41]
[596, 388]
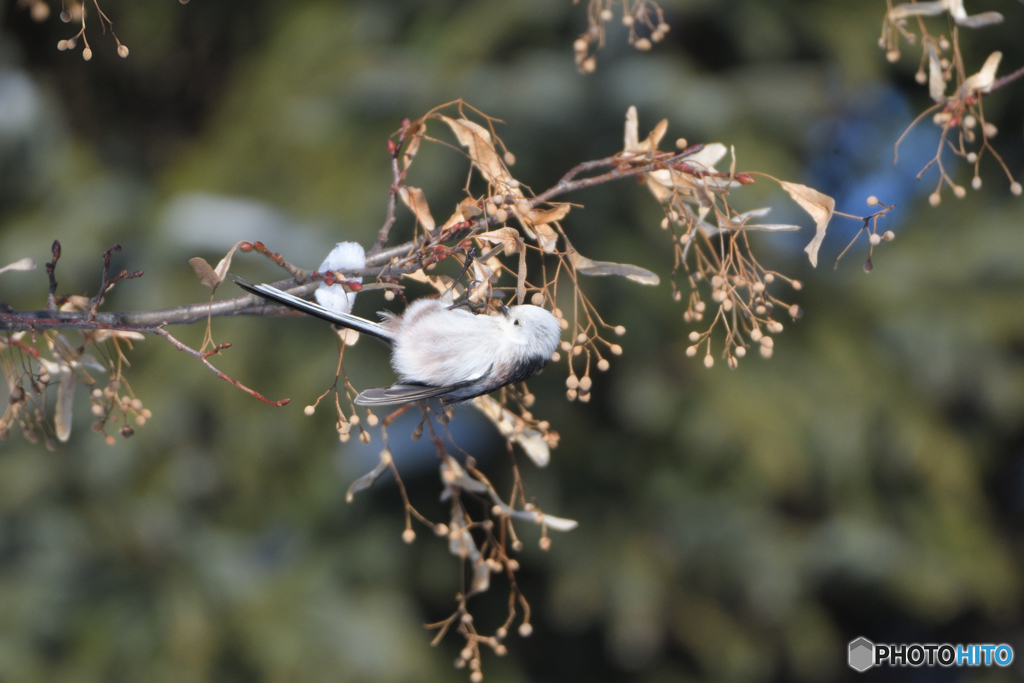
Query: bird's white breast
[440, 346]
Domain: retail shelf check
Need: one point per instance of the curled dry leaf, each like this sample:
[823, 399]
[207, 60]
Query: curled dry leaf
[537, 225]
[557, 213]
[666, 184]
[77, 302]
[706, 158]
[559, 523]
[739, 222]
[366, 481]
[414, 133]
[432, 280]
[97, 336]
[820, 206]
[955, 8]
[455, 475]
[530, 440]
[464, 211]
[416, 200]
[586, 266]
[462, 545]
[979, 20]
[65, 402]
[508, 238]
[21, 264]
[480, 147]
[651, 142]
[631, 141]
[512, 243]
[212, 277]
[547, 238]
[936, 81]
[62, 411]
[918, 9]
[550, 521]
[983, 80]
[959, 14]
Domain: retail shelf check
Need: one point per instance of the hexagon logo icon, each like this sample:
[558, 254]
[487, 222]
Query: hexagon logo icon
[861, 654]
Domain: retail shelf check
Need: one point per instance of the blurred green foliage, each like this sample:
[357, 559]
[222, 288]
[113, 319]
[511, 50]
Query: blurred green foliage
[734, 525]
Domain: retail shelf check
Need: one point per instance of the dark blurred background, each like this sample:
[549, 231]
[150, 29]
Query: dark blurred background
[734, 525]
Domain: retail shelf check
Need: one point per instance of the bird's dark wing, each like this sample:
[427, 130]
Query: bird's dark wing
[405, 393]
[353, 322]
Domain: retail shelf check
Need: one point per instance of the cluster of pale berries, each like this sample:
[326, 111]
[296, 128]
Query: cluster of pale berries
[17, 402]
[345, 424]
[968, 124]
[579, 387]
[108, 402]
[76, 14]
[587, 62]
[725, 291]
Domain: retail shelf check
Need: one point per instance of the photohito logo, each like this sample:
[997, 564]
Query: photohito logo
[862, 654]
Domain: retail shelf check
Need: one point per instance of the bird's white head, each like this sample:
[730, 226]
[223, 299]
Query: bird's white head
[534, 329]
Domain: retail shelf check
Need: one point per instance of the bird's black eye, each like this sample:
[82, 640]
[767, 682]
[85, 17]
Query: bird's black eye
[515, 322]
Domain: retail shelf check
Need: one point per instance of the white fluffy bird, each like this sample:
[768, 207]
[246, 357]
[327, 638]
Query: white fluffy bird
[445, 352]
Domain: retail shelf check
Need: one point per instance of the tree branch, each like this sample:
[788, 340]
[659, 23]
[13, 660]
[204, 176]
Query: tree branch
[203, 359]
[381, 263]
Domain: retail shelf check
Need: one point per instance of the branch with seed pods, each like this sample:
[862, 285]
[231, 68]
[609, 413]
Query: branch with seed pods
[511, 244]
[960, 115]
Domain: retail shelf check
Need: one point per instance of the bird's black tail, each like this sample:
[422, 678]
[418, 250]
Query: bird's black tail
[352, 322]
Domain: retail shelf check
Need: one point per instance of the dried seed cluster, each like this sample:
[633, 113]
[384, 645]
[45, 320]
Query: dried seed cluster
[643, 19]
[31, 371]
[76, 11]
[111, 407]
[960, 114]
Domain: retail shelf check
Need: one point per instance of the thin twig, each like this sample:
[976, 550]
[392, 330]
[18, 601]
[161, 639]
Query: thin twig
[203, 358]
[51, 297]
[622, 170]
[107, 281]
[1005, 80]
[392, 262]
[389, 219]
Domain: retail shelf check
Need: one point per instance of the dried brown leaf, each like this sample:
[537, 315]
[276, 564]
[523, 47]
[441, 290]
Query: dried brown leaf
[432, 280]
[546, 237]
[654, 139]
[631, 142]
[820, 206]
[62, 411]
[212, 277]
[480, 147]
[205, 271]
[936, 81]
[511, 243]
[97, 336]
[983, 80]
[415, 136]
[586, 266]
[530, 440]
[631, 139]
[21, 264]
[416, 200]
[461, 213]
[559, 523]
[508, 238]
[706, 158]
[366, 481]
[557, 213]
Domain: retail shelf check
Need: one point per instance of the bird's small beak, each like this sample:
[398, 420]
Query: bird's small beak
[504, 310]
